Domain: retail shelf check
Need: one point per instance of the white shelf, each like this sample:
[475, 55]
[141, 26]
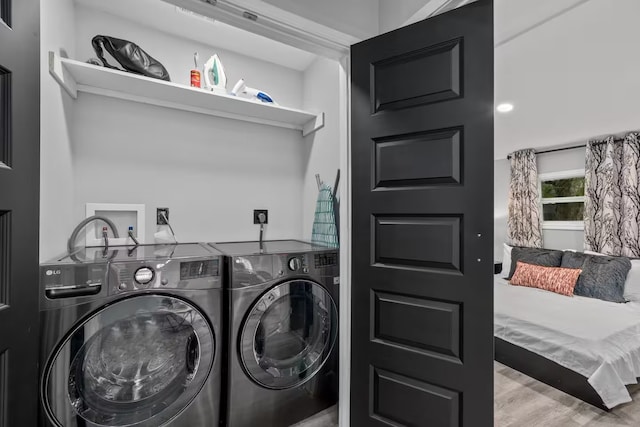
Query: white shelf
[76, 76]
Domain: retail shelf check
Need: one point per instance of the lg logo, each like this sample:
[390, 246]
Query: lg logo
[53, 272]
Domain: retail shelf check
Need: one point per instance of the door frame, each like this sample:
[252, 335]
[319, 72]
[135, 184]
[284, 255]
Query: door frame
[344, 313]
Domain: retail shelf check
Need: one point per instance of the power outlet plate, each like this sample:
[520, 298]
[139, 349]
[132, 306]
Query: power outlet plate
[159, 218]
[257, 212]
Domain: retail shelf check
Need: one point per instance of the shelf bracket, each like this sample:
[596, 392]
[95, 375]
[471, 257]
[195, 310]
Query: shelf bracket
[61, 75]
[313, 125]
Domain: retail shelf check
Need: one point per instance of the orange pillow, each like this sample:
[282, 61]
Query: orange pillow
[555, 279]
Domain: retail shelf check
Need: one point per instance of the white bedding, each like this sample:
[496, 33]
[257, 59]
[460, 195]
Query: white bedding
[598, 339]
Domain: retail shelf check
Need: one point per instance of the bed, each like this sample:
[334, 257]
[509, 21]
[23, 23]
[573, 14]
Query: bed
[586, 347]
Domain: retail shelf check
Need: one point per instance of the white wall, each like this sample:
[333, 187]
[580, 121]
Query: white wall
[56, 116]
[210, 172]
[547, 163]
[501, 173]
[322, 149]
[570, 79]
[176, 54]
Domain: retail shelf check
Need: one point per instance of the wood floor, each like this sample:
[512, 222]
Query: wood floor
[326, 418]
[522, 401]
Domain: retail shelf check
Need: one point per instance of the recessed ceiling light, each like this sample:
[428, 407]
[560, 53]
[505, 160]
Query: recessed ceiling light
[504, 108]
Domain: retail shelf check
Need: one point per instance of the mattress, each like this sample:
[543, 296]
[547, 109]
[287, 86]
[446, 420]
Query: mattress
[597, 339]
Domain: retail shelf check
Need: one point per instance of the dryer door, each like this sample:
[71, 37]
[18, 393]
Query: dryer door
[288, 334]
[139, 361]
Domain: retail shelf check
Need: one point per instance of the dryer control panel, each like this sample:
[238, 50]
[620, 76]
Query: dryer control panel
[254, 270]
[317, 263]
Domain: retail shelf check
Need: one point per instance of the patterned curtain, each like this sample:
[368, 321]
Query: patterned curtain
[612, 189]
[524, 204]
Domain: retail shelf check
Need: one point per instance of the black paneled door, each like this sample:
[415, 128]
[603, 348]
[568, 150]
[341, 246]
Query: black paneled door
[422, 159]
[19, 201]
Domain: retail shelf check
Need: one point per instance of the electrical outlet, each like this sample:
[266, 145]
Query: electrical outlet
[159, 218]
[257, 212]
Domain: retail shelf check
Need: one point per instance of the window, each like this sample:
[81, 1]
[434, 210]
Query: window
[562, 198]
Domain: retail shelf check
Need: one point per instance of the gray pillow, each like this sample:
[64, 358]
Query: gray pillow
[543, 257]
[602, 277]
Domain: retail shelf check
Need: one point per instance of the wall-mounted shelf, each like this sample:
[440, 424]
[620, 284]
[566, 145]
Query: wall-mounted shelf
[75, 76]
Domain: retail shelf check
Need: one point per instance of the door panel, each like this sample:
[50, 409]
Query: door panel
[415, 398]
[5, 116]
[398, 82]
[395, 316]
[19, 186]
[413, 231]
[422, 167]
[400, 160]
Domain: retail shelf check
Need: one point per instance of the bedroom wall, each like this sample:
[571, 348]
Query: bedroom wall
[570, 79]
[211, 172]
[547, 163]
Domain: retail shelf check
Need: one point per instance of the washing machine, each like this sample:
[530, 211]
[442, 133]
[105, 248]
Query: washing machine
[283, 327]
[132, 336]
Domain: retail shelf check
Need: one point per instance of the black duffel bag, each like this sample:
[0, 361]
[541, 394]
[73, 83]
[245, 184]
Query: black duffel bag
[130, 56]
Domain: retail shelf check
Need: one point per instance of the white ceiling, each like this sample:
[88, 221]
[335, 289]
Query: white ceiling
[164, 17]
[394, 13]
[543, 66]
[358, 18]
[516, 17]
[512, 19]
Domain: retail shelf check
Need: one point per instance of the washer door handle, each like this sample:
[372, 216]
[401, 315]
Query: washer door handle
[72, 291]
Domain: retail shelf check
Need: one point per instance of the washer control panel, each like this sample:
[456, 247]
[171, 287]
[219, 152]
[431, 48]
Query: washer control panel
[60, 276]
[165, 274]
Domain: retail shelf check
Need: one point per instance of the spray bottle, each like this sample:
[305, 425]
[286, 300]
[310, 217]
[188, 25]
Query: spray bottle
[241, 87]
[195, 73]
[214, 77]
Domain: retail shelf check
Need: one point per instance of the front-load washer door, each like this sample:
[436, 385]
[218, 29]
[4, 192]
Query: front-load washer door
[288, 334]
[136, 362]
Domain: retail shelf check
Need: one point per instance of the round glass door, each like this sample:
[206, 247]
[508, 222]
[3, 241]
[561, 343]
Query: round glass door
[289, 334]
[140, 361]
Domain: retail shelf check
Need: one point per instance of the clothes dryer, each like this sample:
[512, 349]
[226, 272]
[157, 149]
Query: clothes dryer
[283, 327]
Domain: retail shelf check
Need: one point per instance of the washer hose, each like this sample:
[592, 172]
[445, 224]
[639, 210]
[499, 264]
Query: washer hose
[74, 235]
